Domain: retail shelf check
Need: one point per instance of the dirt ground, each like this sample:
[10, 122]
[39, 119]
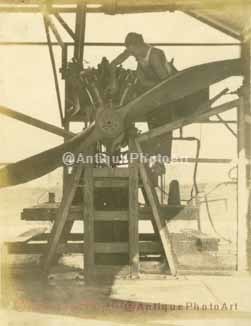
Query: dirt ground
[66, 300]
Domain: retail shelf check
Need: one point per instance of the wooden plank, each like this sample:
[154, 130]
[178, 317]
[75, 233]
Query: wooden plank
[88, 209]
[111, 271]
[38, 248]
[4, 276]
[133, 219]
[47, 212]
[111, 216]
[61, 218]
[160, 222]
[111, 247]
[148, 245]
[78, 237]
[111, 183]
[29, 235]
[171, 212]
[111, 172]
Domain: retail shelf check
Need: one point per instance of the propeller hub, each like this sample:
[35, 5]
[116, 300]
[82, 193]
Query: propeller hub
[110, 123]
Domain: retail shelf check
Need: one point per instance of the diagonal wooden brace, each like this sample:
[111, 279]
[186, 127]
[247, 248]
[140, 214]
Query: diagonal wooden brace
[61, 217]
[159, 220]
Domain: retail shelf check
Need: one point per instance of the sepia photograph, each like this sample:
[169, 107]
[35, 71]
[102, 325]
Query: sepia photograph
[125, 162]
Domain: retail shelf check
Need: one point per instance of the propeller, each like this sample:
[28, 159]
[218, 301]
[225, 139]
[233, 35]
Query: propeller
[45, 162]
[179, 85]
[110, 123]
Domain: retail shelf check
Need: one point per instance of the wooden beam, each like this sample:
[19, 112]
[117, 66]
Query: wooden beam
[112, 183]
[111, 173]
[88, 210]
[146, 247]
[35, 122]
[244, 170]
[61, 218]
[48, 213]
[159, 220]
[133, 217]
[79, 237]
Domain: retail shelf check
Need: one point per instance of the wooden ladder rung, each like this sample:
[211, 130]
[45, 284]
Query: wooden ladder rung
[111, 247]
[111, 215]
[111, 182]
[110, 172]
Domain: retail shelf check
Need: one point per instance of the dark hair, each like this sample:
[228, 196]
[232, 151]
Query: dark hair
[134, 39]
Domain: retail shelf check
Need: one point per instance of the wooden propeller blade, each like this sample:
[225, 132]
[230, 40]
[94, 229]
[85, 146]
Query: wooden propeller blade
[35, 122]
[38, 165]
[184, 83]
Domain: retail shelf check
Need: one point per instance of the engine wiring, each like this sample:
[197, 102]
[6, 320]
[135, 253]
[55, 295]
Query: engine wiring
[196, 194]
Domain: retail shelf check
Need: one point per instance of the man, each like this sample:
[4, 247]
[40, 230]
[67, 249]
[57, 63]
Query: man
[152, 68]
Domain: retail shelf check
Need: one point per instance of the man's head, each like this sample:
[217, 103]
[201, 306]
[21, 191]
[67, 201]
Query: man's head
[135, 44]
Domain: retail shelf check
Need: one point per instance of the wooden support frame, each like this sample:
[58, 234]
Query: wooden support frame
[160, 221]
[88, 210]
[133, 217]
[244, 168]
[61, 218]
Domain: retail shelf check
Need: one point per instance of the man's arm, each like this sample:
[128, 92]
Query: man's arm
[160, 65]
[120, 58]
[112, 87]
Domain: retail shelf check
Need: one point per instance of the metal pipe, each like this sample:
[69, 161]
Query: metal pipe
[118, 5]
[6, 43]
[219, 122]
[65, 25]
[34, 9]
[53, 62]
[196, 117]
[35, 122]
[226, 125]
[80, 32]
[52, 26]
[209, 160]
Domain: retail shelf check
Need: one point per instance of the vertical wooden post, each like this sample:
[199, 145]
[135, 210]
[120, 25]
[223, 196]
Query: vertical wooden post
[133, 217]
[5, 276]
[88, 209]
[244, 154]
